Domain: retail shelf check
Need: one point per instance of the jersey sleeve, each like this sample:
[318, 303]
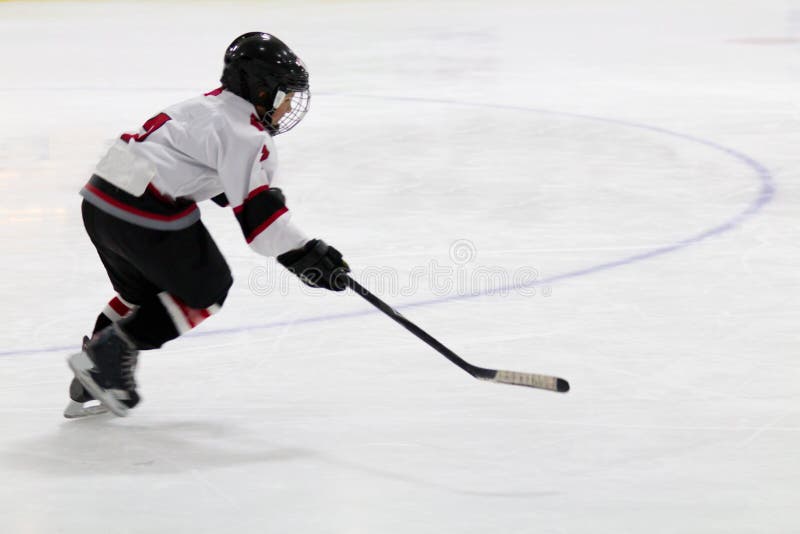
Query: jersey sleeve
[246, 166]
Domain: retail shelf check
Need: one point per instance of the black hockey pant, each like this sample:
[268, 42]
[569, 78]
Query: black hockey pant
[167, 281]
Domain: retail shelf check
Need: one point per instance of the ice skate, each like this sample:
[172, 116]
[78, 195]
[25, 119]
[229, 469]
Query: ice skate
[105, 370]
[81, 403]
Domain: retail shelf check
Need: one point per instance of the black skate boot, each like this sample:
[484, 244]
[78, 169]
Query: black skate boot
[105, 369]
[81, 403]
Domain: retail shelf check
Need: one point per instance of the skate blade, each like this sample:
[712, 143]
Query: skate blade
[81, 364]
[77, 410]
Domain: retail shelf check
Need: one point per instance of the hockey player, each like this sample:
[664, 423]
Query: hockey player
[139, 209]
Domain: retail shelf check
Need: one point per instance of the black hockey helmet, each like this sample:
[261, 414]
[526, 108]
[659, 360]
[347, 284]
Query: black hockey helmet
[260, 68]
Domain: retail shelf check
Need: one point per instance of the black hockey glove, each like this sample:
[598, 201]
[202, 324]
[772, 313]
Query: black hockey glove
[318, 265]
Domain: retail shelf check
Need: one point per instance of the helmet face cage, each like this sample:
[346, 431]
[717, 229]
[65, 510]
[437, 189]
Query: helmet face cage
[298, 108]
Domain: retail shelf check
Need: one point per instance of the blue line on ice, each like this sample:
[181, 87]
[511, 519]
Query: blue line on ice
[765, 195]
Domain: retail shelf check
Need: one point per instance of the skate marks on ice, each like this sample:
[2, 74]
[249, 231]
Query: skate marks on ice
[95, 444]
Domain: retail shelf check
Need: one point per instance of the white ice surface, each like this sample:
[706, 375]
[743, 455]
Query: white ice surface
[432, 123]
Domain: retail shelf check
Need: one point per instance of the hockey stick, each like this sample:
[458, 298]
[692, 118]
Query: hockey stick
[514, 378]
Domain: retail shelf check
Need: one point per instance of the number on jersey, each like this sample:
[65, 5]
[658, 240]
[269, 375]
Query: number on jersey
[148, 127]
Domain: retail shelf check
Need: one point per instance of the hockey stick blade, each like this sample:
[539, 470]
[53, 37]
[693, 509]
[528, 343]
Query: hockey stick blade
[531, 380]
[549, 383]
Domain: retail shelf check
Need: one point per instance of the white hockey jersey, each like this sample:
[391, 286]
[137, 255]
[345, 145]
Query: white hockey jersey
[199, 149]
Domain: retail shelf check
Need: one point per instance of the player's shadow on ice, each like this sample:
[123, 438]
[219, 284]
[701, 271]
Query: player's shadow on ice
[97, 447]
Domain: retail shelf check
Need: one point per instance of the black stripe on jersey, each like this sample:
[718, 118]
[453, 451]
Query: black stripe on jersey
[151, 201]
[260, 209]
[150, 210]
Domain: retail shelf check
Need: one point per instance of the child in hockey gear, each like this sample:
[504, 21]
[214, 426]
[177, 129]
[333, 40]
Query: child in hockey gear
[139, 210]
